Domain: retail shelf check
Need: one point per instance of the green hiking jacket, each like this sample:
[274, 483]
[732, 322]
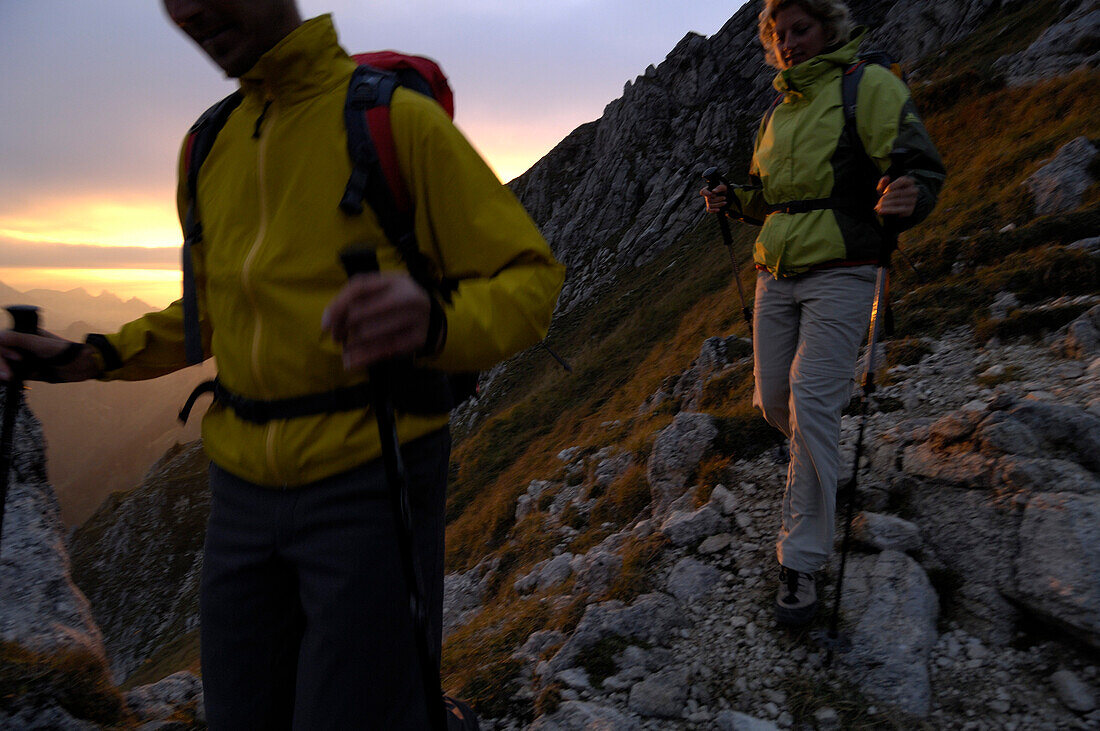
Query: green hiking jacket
[803, 152]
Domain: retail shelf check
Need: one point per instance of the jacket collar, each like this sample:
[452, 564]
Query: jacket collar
[299, 66]
[804, 78]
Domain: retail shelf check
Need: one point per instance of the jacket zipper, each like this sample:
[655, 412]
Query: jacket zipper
[262, 135]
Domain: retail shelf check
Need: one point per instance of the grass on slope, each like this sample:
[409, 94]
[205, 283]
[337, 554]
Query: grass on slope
[75, 680]
[991, 143]
[621, 347]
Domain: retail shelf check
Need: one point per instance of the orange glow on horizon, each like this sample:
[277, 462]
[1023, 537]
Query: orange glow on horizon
[95, 221]
[150, 220]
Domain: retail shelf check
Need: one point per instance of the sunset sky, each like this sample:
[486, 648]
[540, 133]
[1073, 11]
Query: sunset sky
[95, 98]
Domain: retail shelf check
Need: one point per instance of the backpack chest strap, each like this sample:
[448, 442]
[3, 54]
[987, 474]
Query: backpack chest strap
[804, 206]
[850, 206]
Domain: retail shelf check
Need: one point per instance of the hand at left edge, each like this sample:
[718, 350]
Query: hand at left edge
[378, 316]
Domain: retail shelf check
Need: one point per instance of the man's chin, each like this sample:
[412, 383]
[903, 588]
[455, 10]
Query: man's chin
[233, 67]
[229, 58]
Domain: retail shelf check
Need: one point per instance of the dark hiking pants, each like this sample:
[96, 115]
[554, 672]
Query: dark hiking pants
[304, 605]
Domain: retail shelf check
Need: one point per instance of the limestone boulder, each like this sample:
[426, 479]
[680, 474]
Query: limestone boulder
[649, 619]
[676, 454]
[892, 610]
[1058, 565]
[51, 649]
[1070, 43]
[1061, 183]
[691, 579]
[1082, 337]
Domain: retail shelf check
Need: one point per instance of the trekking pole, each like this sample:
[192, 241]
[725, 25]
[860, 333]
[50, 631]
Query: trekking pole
[561, 361]
[713, 177]
[362, 261]
[833, 641]
[25, 319]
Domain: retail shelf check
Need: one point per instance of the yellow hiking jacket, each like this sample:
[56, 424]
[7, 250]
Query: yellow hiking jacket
[268, 198]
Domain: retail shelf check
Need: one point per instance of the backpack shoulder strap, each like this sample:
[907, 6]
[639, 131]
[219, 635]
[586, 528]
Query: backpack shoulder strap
[376, 176]
[768, 114]
[853, 74]
[200, 140]
[849, 89]
[201, 136]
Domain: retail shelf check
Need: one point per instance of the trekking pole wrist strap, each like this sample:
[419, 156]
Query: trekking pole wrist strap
[436, 336]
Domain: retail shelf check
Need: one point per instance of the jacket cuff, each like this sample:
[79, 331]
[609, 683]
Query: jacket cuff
[106, 357]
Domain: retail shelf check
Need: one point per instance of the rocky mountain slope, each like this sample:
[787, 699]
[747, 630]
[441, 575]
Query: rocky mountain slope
[971, 597]
[54, 667]
[610, 532]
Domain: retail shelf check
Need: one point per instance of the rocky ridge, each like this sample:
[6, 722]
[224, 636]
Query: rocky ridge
[970, 601]
[156, 531]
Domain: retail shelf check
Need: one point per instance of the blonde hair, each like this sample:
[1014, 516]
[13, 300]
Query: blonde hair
[833, 15]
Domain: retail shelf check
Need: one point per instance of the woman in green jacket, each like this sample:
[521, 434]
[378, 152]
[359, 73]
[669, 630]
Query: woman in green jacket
[821, 187]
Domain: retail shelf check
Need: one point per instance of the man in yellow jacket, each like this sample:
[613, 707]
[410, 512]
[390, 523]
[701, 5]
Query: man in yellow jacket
[304, 607]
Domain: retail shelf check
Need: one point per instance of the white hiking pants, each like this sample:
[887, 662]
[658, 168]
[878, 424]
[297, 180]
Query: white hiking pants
[807, 331]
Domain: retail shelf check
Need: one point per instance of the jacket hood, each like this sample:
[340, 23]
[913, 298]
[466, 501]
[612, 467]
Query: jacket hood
[804, 76]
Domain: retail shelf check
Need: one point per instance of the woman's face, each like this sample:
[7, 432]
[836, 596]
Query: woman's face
[797, 37]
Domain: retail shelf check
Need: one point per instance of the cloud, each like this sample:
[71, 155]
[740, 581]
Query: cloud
[39, 255]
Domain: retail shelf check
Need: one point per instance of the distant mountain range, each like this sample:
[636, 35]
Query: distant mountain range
[61, 310]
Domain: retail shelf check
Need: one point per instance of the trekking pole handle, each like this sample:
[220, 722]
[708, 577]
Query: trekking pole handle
[713, 177]
[898, 168]
[24, 318]
[359, 260]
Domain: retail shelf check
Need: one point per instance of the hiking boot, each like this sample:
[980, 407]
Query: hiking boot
[796, 601]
